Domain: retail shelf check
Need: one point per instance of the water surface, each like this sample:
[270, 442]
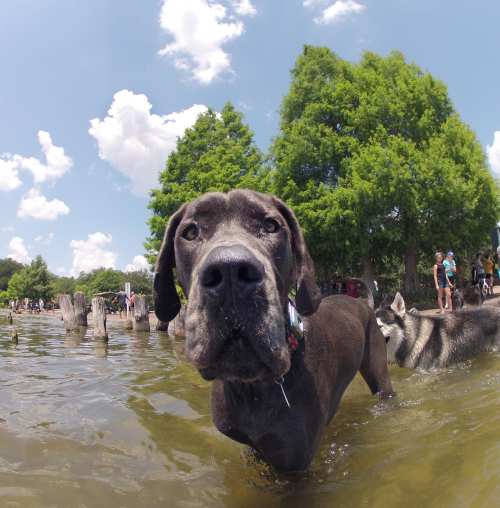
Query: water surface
[84, 424]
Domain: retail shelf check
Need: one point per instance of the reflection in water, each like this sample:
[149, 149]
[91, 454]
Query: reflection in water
[127, 423]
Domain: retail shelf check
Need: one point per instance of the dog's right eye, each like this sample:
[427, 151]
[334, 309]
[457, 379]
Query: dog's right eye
[271, 225]
[190, 233]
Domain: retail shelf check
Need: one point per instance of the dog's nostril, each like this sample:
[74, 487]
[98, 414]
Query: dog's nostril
[212, 278]
[248, 274]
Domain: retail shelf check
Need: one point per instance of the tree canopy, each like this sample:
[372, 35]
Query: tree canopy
[7, 269]
[377, 164]
[217, 154]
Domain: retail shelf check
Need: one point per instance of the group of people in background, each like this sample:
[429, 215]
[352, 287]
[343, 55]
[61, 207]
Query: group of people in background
[33, 306]
[445, 276]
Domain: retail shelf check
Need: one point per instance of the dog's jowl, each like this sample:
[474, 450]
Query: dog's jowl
[236, 257]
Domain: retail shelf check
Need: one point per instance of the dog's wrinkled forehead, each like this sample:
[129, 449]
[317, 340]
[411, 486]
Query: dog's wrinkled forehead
[243, 210]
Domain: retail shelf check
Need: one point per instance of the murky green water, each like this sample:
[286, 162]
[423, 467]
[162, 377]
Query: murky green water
[82, 425]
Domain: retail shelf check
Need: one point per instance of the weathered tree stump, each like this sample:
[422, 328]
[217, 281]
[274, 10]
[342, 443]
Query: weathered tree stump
[99, 317]
[176, 327]
[80, 308]
[141, 314]
[68, 312]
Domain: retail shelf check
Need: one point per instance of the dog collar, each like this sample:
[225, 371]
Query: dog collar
[295, 326]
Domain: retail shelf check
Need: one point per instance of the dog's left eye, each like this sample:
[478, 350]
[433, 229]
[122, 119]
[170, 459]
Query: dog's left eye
[190, 233]
[271, 226]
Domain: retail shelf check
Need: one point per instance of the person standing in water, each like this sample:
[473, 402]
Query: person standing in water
[442, 283]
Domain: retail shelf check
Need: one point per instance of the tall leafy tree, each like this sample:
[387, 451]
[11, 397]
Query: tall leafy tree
[34, 281]
[217, 154]
[8, 267]
[377, 164]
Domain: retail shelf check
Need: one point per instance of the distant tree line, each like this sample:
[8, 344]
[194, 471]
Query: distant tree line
[372, 157]
[35, 281]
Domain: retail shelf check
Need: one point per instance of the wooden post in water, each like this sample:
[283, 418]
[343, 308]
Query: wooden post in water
[80, 308]
[162, 326]
[141, 314]
[99, 317]
[68, 312]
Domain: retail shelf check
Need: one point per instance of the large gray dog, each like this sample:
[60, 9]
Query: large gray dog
[236, 257]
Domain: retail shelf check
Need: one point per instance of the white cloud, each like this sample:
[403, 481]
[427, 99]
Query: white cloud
[135, 141]
[138, 264]
[57, 163]
[244, 7]
[9, 179]
[91, 253]
[337, 12]
[200, 29]
[18, 251]
[46, 240]
[493, 152]
[37, 206]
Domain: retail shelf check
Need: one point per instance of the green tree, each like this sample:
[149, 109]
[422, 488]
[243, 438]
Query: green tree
[63, 285]
[33, 281]
[100, 280]
[217, 154]
[377, 165]
[8, 267]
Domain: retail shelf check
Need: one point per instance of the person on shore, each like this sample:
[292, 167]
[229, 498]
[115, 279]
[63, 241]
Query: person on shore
[451, 268]
[489, 266]
[451, 271]
[478, 274]
[442, 283]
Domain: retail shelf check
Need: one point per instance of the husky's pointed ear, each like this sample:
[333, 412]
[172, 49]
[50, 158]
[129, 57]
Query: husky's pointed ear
[166, 300]
[308, 295]
[398, 305]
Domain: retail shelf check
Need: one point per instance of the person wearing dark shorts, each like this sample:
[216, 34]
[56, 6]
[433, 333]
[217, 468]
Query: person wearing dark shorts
[442, 283]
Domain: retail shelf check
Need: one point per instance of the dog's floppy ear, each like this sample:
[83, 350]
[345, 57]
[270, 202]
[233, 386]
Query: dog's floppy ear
[308, 295]
[398, 305]
[166, 300]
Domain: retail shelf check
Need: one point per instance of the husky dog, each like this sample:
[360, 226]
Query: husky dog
[414, 340]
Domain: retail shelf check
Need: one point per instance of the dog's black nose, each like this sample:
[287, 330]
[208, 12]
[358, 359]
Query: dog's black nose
[231, 269]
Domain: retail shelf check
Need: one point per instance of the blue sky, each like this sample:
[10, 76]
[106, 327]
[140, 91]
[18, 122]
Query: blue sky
[62, 62]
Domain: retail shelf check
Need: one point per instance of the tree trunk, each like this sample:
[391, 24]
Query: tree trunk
[141, 314]
[80, 308]
[368, 276]
[410, 258]
[68, 312]
[99, 317]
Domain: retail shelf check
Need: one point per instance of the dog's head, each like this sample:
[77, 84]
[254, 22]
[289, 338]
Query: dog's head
[236, 256]
[390, 319]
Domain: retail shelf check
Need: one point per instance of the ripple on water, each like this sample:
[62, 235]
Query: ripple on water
[127, 423]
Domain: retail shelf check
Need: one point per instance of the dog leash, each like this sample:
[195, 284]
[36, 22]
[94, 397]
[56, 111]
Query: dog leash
[280, 382]
[294, 334]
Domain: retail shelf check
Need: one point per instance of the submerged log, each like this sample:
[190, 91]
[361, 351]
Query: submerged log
[99, 317]
[68, 312]
[141, 314]
[14, 336]
[80, 308]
